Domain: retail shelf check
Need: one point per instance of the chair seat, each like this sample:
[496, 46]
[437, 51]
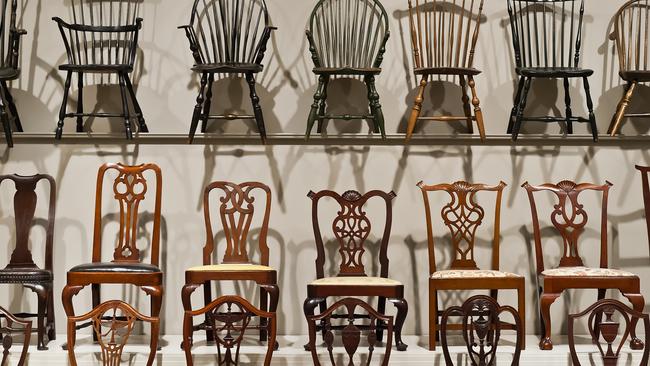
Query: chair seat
[19, 275]
[347, 71]
[355, 281]
[471, 273]
[586, 272]
[554, 72]
[446, 71]
[97, 69]
[116, 267]
[228, 68]
[9, 73]
[231, 268]
[635, 75]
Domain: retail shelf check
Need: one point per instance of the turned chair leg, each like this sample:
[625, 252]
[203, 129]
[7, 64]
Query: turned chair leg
[323, 106]
[6, 126]
[125, 108]
[80, 101]
[375, 107]
[207, 106]
[567, 103]
[466, 106]
[402, 311]
[12, 107]
[197, 108]
[590, 108]
[622, 106]
[313, 113]
[381, 309]
[136, 105]
[520, 109]
[257, 109]
[546, 301]
[515, 104]
[477, 108]
[417, 108]
[638, 304]
[64, 106]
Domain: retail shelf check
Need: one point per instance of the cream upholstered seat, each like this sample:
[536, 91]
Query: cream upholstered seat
[355, 281]
[231, 268]
[471, 273]
[586, 272]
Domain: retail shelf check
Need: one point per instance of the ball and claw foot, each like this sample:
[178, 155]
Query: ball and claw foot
[546, 344]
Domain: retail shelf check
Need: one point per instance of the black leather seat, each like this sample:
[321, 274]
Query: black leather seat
[228, 68]
[21, 275]
[116, 267]
[446, 71]
[554, 72]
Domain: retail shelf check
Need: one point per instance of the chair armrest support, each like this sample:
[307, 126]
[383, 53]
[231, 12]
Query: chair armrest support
[14, 44]
[261, 48]
[194, 44]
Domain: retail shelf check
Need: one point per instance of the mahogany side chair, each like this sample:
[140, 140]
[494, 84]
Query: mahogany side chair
[236, 211]
[481, 327]
[9, 66]
[569, 218]
[646, 195]
[112, 324]
[102, 39]
[604, 324]
[227, 37]
[443, 38]
[351, 336]
[546, 38]
[631, 38]
[232, 315]
[21, 268]
[463, 216]
[130, 189]
[347, 39]
[14, 326]
[351, 227]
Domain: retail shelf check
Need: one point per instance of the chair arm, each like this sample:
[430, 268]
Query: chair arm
[194, 45]
[98, 28]
[14, 46]
[261, 48]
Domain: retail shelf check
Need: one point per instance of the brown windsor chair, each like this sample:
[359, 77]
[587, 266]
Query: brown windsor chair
[236, 210]
[570, 219]
[9, 66]
[645, 180]
[546, 37]
[21, 268]
[630, 34]
[7, 332]
[347, 39]
[227, 37]
[463, 216]
[443, 38]
[102, 39]
[351, 228]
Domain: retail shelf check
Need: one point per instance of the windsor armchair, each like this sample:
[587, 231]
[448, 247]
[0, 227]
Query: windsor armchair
[569, 218]
[481, 327]
[463, 216]
[351, 228]
[631, 39]
[130, 188]
[9, 66]
[546, 37]
[227, 37]
[443, 37]
[351, 337]
[232, 315]
[102, 39]
[609, 330]
[646, 195]
[112, 323]
[236, 210]
[21, 268]
[7, 332]
[347, 39]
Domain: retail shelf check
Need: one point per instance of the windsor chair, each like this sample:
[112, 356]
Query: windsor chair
[236, 211]
[443, 38]
[102, 39]
[463, 216]
[546, 37]
[21, 268]
[609, 329]
[126, 267]
[631, 39]
[347, 38]
[351, 228]
[481, 327]
[646, 195]
[9, 66]
[112, 323]
[351, 337]
[569, 218]
[7, 332]
[232, 315]
[227, 37]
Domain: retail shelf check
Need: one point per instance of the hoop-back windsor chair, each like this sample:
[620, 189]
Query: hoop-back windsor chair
[9, 66]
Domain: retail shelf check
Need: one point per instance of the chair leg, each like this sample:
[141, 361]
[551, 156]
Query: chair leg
[637, 304]
[308, 308]
[567, 103]
[273, 292]
[264, 305]
[381, 308]
[6, 126]
[520, 109]
[197, 108]
[313, 113]
[590, 108]
[521, 309]
[466, 107]
[51, 333]
[433, 317]
[64, 105]
[257, 109]
[599, 316]
[323, 106]
[417, 108]
[186, 299]
[402, 311]
[207, 105]
[515, 104]
[95, 289]
[546, 301]
[375, 107]
[622, 106]
[477, 108]
[156, 294]
[136, 105]
[42, 292]
[125, 108]
[207, 299]
[80, 102]
[12, 107]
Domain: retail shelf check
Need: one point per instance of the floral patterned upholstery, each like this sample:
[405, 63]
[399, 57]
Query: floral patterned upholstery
[355, 281]
[471, 273]
[231, 268]
[586, 272]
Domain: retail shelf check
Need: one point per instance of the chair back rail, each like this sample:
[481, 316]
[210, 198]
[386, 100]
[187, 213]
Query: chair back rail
[631, 30]
[444, 33]
[7, 332]
[9, 34]
[546, 33]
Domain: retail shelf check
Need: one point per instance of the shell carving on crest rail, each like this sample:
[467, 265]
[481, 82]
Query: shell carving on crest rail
[462, 215]
[569, 221]
[351, 228]
[130, 189]
[236, 210]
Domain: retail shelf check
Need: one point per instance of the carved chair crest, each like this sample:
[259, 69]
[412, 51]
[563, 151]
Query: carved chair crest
[7, 332]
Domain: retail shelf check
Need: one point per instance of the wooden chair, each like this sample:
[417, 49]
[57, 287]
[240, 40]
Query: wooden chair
[227, 37]
[546, 37]
[9, 66]
[570, 219]
[463, 216]
[21, 268]
[608, 329]
[646, 195]
[481, 327]
[236, 211]
[351, 336]
[443, 37]
[6, 336]
[232, 315]
[112, 323]
[102, 39]
[351, 228]
[631, 39]
[347, 40]
[126, 267]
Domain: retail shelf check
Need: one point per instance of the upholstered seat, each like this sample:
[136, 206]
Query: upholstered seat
[471, 273]
[20, 275]
[231, 268]
[554, 72]
[586, 272]
[355, 281]
[135, 267]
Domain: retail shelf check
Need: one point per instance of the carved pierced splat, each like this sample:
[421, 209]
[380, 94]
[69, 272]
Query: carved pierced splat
[13, 326]
[481, 328]
[609, 324]
[352, 335]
